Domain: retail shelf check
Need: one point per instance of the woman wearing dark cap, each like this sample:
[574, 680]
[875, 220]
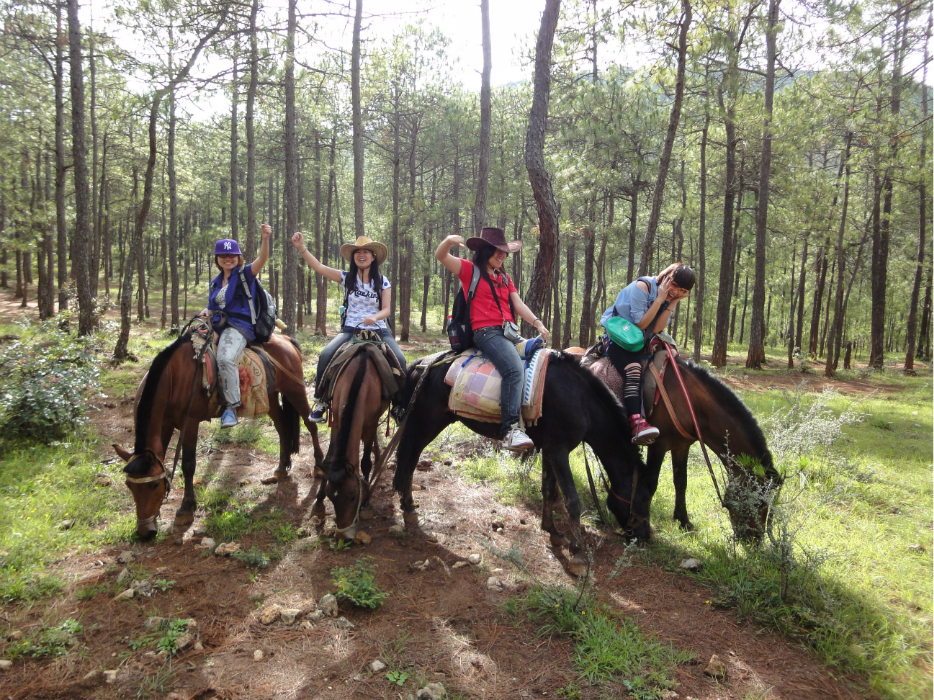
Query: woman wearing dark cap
[648, 300]
[492, 307]
[230, 308]
[369, 301]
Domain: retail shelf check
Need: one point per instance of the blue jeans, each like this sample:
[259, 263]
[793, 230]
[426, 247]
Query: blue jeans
[229, 347]
[324, 359]
[504, 356]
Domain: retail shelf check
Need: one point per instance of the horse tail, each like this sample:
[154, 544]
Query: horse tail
[291, 420]
[337, 471]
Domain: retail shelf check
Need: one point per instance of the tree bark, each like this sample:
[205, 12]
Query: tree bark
[756, 354]
[61, 224]
[836, 328]
[701, 272]
[234, 141]
[569, 299]
[289, 266]
[173, 214]
[251, 224]
[586, 329]
[486, 109]
[82, 235]
[665, 160]
[548, 229]
[357, 123]
[94, 259]
[718, 356]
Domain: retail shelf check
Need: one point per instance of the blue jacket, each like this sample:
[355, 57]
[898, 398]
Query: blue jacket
[632, 303]
[237, 305]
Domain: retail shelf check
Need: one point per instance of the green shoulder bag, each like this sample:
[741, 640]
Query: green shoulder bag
[625, 333]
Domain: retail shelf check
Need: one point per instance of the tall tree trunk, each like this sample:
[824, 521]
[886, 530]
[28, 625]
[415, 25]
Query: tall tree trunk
[135, 246]
[357, 123]
[633, 215]
[60, 216]
[665, 160]
[486, 109]
[94, 259]
[881, 231]
[718, 356]
[586, 328]
[251, 224]
[164, 255]
[173, 214]
[82, 235]
[569, 302]
[289, 267]
[701, 271]
[396, 165]
[836, 328]
[234, 107]
[548, 229]
[799, 325]
[756, 354]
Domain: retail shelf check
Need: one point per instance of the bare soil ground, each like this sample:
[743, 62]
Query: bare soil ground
[439, 624]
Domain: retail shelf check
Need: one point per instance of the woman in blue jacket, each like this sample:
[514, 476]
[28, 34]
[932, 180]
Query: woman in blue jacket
[648, 300]
[229, 307]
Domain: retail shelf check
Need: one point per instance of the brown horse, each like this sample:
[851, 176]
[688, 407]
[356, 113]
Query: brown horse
[357, 405]
[171, 398]
[728, 429]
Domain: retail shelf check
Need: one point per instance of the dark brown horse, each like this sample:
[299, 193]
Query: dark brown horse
[357, 405]
[171, 398]
[577, 407]
[728, 429]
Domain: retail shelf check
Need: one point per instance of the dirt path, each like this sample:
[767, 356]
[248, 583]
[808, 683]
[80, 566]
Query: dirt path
[439, 624]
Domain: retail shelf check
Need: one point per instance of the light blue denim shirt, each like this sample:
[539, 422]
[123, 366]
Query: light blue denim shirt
[632, 303]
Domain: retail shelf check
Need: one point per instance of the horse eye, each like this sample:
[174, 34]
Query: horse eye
[154, 486]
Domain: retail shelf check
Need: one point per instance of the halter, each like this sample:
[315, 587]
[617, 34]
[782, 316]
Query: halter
[150, 479]
[360, 497]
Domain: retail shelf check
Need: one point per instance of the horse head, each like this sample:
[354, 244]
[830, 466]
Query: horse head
[751, 488]
[630, 504]
[346, 490]
[149, 483]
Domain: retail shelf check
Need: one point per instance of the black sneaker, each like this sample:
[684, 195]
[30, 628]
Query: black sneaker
[317, 412]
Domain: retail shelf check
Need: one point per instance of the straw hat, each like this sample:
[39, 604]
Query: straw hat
[378, 249]
[495, 237]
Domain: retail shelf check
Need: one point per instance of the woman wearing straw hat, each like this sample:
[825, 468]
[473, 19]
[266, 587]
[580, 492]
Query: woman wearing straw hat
[368, 301]
[491, 308]
[230, 308]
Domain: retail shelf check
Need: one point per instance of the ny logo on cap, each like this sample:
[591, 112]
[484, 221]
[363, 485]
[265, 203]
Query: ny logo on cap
[226, 245]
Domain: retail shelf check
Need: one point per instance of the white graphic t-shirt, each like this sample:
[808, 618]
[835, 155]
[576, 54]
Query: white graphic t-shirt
[363, 302]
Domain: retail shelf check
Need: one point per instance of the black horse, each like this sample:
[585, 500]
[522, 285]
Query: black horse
[577, 407]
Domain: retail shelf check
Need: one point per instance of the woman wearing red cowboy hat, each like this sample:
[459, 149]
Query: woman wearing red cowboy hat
[369, 301]
[226, 294]
[489, 311]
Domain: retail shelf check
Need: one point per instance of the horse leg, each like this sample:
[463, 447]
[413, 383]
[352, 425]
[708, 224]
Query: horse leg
[421, 427]
[556, 459]
[185, 515]
[551, 500]
[318, 510]
[285, 453]
[679, 474]
[316, 445]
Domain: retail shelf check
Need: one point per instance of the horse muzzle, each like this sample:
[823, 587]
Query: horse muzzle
[146, 528]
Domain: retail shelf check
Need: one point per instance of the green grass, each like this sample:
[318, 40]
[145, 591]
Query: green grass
[608, 646]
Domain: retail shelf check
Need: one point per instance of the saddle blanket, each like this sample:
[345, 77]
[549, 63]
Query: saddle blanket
[607, 373]
[253, 395]
[476, 387]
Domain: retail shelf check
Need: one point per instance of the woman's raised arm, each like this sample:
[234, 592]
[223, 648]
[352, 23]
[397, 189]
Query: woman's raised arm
[313, 262]
[443, 253]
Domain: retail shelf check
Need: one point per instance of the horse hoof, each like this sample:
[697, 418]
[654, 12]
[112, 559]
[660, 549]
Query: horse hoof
[274, 479]
[184, 520]
[578, 566]
[410, 518]
[319, 511]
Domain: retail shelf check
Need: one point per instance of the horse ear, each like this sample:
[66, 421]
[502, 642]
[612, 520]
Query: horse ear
[122, 453]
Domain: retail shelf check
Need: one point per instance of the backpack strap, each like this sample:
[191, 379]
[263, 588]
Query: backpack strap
[249, 297]
[496, 299]
[474, 281]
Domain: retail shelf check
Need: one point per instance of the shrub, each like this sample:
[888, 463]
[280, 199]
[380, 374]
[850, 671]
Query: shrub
[44, 381]
[358, 584]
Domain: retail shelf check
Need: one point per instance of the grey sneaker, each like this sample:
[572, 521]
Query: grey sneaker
[517, 441]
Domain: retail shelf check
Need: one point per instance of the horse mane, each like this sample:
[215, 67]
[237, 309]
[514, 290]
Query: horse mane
[726, 397]
[336, 472]
[144, 408]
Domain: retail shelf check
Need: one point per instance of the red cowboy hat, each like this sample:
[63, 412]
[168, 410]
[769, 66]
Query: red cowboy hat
[494, 237]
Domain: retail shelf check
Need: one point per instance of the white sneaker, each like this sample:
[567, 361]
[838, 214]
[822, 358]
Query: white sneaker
[517, 441]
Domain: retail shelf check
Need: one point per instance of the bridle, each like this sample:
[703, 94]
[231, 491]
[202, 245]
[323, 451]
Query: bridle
[361, 483]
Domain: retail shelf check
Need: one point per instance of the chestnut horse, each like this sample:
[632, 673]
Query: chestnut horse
[728, 429]
[577, 407]
[171, 398]
[356, 405]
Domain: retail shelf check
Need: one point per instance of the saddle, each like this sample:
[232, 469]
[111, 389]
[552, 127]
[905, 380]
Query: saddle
[391, 374]
[256, 377]
[476, 386]
[606, 372]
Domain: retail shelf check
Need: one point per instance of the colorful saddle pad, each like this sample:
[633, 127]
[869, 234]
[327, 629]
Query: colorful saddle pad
[476, 387]
[253, 395]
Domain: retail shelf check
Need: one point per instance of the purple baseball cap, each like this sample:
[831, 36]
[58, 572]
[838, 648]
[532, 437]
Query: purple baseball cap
[227, 246]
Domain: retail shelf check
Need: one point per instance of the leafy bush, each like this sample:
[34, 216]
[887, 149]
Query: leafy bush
[358, 584]
[44, 381]
[254, 557]
[49, 641]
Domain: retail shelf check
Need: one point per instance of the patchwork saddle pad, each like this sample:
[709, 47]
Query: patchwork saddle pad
[254, 397]
[476, 387]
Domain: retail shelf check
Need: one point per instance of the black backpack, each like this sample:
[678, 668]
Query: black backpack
[460, 332]
[262, 310]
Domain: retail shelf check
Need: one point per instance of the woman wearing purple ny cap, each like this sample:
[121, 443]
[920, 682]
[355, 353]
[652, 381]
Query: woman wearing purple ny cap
[230, 310]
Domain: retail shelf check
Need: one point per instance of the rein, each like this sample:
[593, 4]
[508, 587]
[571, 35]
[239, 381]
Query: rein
[672, 358]
[278, 365]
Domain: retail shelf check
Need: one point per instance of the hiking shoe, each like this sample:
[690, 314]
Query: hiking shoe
[228, 418]
[642, 432]
[317, 412]
[517, 441]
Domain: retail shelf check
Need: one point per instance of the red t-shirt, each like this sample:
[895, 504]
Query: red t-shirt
[483, 309]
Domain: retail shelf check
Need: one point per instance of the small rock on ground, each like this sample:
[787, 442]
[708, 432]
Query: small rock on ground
[432, 691]
[715, 668]
[289, 615]
[377, 666]
[690, 564]
[125, 557]
[494, 584]
[258, 655]
[269, 614]
[328, 605]
[5, 664]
